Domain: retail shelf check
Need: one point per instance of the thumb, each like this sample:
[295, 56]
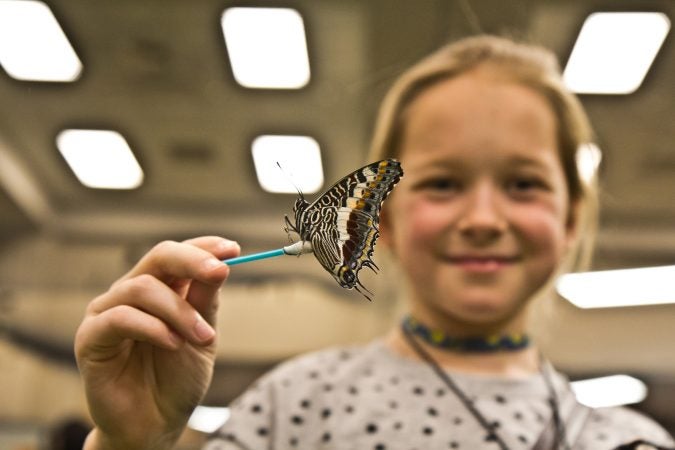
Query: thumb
[204, 298]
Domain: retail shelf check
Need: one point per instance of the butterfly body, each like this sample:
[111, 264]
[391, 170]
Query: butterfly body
[342, 223]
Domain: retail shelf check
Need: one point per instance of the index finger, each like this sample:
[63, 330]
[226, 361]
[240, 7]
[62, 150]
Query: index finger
[194, 259]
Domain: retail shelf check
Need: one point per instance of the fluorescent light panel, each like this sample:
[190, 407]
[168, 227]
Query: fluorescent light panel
[32, 45]
[613, 288]
[614, 390]
[267, 47]
[100, 159]
[208, 419]
[299, 158]
[614, 51]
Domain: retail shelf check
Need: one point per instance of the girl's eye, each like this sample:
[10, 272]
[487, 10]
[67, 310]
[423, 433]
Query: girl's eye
[524, 185]
[440, 184]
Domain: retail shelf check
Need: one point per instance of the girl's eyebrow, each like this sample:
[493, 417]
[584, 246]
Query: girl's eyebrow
[525, 161]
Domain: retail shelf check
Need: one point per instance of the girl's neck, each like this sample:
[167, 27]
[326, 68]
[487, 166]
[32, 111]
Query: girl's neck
[437, 319]
[509, 364]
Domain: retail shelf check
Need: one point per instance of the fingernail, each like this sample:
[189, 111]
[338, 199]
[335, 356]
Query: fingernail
[212, 263]
[228, 245]
[203, 330]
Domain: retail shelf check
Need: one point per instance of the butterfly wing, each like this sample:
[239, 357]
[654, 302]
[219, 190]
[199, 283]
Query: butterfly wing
[342, 224]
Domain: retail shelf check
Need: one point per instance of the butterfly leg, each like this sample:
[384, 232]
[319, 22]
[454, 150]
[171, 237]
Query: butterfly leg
[288, 227]
[367, 294]
[371, 265]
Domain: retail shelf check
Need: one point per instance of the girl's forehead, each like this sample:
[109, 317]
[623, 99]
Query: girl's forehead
[460, 98]
[477, 118]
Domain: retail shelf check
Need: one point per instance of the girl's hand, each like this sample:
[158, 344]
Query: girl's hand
[146, 348]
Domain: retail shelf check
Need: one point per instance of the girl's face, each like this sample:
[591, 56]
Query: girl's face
[482, 217]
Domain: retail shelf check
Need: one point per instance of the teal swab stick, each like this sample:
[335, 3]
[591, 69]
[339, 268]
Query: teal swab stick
[254, 257]
[298, 248]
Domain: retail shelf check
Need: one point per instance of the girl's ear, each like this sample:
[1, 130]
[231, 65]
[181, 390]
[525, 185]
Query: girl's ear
[573, 222]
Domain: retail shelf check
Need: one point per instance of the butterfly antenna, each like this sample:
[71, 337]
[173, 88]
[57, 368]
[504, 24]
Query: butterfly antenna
[290, 180]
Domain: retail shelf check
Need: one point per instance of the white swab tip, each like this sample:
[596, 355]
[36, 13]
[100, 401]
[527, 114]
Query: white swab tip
[298, 248]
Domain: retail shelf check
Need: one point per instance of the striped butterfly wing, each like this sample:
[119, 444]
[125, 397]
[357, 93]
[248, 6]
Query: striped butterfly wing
[342, 224]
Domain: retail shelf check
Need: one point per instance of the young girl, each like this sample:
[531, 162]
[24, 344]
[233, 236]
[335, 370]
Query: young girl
[490, 210]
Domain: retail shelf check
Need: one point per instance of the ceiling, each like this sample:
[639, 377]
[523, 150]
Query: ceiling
[157, 72]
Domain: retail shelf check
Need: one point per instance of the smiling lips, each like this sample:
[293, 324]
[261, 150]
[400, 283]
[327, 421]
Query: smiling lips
[482, 264]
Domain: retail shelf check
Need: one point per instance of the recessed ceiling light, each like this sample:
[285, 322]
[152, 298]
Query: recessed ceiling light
[625, 287]
[285, 164]
[614, 390]
[614, 51]
[208, 419]
[32, 45]
[100, 159]
[267, 47]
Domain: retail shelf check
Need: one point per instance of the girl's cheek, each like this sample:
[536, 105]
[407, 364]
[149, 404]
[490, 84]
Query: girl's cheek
[542, 228]
[424, 220]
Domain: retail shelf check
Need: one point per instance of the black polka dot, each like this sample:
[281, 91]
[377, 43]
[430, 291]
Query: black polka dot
[440, 392]
[262, 431]
[380, 447]
[417, 390]
[305, 404]
[490, 437]
[398, 425]
[325, 413]
[255, 409]
[522, 439]
[327, 387]
[393, 404]
[454, 444]
[371, 428]
[326, 437]
[518, 415]
[353, 390]
[313, 374]
[349, 409]
[293, 441]
[500, 399]
[496, 424]
[432, 411]
[297, 420]
[428, 431]
[457, 421]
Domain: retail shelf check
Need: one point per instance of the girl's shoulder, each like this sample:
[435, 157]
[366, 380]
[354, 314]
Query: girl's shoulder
[625, 425]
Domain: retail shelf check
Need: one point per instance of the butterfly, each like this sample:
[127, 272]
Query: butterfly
[342, 223]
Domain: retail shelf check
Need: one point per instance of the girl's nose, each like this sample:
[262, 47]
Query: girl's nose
[482, 219]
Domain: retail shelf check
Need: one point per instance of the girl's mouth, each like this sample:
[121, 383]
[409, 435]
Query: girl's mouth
[482, 264]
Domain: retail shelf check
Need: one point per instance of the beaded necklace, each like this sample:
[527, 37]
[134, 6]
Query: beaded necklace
[560, 440]
[478, 344]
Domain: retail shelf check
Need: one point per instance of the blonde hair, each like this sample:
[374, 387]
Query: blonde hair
[532, 66]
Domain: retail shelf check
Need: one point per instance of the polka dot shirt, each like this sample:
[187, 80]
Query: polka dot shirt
[369, 398]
